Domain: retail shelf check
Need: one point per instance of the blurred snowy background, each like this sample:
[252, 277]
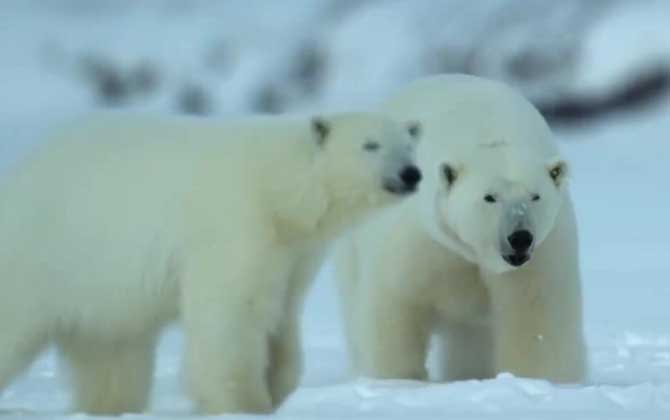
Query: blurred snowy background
[599, 70]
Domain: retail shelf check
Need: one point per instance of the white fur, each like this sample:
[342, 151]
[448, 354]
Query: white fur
[434, 265]
[120, 225]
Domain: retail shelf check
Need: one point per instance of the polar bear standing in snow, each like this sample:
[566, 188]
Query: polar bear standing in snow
[484, 256]
[123, 224]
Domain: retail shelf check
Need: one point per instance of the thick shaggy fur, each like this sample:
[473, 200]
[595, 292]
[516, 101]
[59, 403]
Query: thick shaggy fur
[121, 224]
[434, 265]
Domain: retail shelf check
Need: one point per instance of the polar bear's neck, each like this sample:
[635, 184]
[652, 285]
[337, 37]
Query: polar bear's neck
[437, 229]
[310, 204]
[347, 205]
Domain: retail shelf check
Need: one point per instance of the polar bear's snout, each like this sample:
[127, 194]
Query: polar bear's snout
[521, 242]
[517, 240]
[410, 175]
[406, 181]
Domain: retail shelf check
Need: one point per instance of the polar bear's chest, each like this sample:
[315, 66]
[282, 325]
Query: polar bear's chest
[460, 298]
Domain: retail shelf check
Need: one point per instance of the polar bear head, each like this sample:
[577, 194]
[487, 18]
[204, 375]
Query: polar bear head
[498, 208]
[494, 181]
[365, 156]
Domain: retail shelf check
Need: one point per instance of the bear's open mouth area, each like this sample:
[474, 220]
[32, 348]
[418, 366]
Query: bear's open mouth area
[398, 188]
[516, 260]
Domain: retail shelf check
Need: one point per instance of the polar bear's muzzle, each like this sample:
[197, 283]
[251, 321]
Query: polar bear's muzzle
[517, 260]
[405, 182]
[517, 246]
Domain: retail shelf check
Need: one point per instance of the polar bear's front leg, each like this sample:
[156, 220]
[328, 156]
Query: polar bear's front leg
[393, 337]
[466, 352]
[110, 377]
[286, 353]
[285, 366]
[229, 307]
[537, 337]
[537, 312]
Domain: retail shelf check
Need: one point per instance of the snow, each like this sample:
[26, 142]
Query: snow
[619, 175]
[643, 30]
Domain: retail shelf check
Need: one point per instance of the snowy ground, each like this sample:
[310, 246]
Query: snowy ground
[620, 174]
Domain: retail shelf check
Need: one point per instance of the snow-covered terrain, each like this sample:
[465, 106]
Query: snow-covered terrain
[620, 171]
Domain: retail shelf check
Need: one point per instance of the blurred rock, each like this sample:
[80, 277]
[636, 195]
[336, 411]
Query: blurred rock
[309, 68]
[644, 89]
[268, 99]
[107, 81]
[193, 99]
[144, 78]
[115, 86]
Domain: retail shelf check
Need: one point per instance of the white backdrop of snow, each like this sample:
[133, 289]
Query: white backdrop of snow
[619, 167]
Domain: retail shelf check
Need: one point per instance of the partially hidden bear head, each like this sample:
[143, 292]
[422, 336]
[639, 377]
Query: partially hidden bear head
[367, 156]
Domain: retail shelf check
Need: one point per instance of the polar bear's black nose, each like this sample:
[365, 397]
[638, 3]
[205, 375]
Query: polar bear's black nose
[410, 175]
[520, 240]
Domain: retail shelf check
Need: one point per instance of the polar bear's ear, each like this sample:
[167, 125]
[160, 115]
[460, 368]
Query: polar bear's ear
[414, 129]
[321, 129]
[449, 173]
[558, 171]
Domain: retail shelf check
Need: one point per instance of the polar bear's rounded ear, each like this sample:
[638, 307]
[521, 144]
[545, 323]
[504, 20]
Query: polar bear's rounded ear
[414, 129]
[449, 173]
[321, 129]
[558, 171]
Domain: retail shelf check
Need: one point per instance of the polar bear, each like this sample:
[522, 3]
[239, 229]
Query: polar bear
[483, 258]
[122, 224]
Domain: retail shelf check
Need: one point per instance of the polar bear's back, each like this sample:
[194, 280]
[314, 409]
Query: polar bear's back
[96, 210]
[113, 156]
[86, 215]
[102, 167]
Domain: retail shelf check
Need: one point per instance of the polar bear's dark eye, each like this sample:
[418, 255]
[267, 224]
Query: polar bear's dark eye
[371, 146]
[535, 197]
[489, 198]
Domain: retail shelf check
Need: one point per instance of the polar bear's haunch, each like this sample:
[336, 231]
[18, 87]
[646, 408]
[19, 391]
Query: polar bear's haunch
[489, 245]
[120, 225]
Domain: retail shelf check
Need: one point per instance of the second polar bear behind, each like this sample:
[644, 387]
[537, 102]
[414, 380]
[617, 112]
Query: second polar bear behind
[484, 257]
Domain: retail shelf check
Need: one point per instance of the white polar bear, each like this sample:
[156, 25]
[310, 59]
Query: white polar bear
[484, 256]
[123, 224]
